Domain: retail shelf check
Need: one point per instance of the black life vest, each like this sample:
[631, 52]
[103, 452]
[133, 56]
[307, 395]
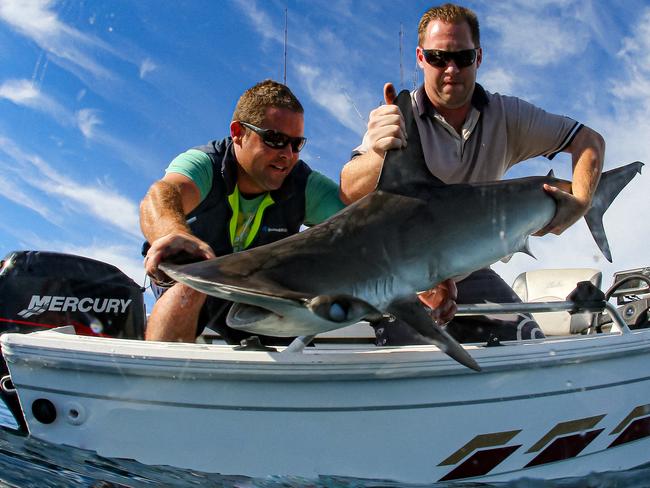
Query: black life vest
[210, 220]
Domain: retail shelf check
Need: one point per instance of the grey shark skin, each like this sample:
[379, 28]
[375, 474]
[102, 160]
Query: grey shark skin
[372, 257]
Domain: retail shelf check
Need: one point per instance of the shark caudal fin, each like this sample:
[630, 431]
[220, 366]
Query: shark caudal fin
[405, 171]
[610, 185]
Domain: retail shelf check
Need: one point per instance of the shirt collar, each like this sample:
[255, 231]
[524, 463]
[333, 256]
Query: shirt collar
[424, 106]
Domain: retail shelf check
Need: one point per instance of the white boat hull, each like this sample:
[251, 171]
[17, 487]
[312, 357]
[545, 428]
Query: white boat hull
[543, 409]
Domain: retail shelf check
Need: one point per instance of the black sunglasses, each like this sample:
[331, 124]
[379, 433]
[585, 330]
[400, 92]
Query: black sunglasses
[440, 59]
[275, 139]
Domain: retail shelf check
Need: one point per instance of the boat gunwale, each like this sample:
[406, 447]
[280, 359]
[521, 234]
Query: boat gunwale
[59, 351]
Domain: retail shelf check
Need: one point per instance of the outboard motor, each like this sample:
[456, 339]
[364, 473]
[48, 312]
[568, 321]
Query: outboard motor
[42, 290]
[45, 289]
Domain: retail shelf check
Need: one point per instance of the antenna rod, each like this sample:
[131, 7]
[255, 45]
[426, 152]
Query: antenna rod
[401, 65]
[285, 43]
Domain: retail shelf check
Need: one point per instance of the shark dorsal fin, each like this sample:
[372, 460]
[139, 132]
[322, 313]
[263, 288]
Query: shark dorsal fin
[405, 171]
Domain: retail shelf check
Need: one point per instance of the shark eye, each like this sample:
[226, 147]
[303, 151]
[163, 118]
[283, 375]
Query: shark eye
[337, 312]
[340, 309]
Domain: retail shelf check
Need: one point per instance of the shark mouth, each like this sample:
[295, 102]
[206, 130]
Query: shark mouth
[251, 318]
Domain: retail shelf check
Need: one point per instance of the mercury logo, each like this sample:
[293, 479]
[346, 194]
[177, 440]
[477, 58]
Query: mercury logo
[40, 304]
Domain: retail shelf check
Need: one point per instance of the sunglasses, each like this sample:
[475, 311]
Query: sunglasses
[440, 59]
[275, 139]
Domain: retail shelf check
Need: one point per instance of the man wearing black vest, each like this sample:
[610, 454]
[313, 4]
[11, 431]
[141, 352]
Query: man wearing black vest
[243, 191]
[470, 135]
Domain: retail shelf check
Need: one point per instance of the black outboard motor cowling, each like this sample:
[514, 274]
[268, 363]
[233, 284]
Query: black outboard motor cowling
[45, 289]
[41, 290]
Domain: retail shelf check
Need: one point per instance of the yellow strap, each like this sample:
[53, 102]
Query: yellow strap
[258, 219]
[233, 200]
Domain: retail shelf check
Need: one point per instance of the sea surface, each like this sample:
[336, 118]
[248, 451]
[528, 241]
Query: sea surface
[27, 462]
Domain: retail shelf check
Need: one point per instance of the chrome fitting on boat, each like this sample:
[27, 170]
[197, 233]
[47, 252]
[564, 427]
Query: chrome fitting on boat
[7, 385]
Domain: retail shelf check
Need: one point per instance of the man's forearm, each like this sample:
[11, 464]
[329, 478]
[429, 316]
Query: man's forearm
[588, 153]
[161, 211]
[359, 176]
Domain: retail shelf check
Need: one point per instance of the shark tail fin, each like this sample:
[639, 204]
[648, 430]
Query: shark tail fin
[610, 185]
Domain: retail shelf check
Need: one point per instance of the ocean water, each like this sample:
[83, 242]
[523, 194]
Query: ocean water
[27, 462]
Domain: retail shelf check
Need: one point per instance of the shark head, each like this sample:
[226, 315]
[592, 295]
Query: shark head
[286, 319]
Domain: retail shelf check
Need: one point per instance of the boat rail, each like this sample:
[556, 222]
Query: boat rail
[571, 306]
[536, 307]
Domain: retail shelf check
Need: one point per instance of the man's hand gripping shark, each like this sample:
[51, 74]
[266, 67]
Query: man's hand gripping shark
[370, 259]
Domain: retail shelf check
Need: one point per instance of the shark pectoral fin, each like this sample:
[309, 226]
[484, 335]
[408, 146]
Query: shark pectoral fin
[341, 308]
[610, 185]
[412, 312]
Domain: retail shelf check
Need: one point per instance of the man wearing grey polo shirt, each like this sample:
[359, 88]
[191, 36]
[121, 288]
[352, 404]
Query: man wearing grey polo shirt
[471, 135]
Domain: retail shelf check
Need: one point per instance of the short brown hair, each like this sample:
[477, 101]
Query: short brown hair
[451, 14]
[251, 106]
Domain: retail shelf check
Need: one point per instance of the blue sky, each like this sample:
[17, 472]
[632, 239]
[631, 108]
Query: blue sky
[96, 97]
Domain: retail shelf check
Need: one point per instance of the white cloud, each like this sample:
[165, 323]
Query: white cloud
[635, 59]
[560, 37]
[327, 92]
[37, 20]
[87, 120]
[497, 80]
[98, 200]
[262, 22]
[21, 92]
[146, 67]
[19, 197]
[31, 16]
[637, 45]
[25, 93]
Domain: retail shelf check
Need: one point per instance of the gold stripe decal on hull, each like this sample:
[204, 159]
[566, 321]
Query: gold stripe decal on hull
[478, 442]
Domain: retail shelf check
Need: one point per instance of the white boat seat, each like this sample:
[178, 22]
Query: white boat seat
[547, 285]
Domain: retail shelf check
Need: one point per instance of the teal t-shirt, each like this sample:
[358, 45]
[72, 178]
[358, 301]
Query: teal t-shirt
[321, 195]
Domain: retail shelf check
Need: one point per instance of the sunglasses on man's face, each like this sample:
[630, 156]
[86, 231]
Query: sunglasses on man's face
[275, 139]
[440, 59]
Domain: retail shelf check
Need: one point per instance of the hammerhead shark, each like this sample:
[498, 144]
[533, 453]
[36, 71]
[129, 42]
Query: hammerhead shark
[370, 259]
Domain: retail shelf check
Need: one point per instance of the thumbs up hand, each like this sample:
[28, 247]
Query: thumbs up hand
[386, 128]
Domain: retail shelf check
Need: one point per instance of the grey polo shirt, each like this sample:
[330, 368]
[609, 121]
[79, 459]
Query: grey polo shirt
[499, 132]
